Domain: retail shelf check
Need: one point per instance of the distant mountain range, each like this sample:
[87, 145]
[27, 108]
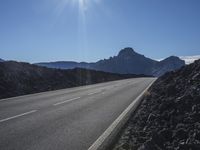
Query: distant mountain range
[126, 62]
[1, 60]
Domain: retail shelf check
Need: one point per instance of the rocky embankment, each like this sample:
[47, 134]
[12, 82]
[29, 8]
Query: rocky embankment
[22, 78]
[169, 117]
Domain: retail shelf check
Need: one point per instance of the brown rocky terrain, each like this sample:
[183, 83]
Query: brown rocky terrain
[169, 116]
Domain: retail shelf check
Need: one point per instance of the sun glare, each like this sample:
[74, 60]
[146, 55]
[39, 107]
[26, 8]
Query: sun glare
[83, 4]
[83, 8]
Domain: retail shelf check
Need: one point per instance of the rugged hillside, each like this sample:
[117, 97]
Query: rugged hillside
[1, 60]
[23, 78]
[126, 62]
[169, 117]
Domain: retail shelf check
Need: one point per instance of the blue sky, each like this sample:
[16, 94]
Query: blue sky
[88, 30]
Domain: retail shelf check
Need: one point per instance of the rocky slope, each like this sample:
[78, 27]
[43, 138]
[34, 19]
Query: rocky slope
[23, 78]
[169, 117]
[126, 62]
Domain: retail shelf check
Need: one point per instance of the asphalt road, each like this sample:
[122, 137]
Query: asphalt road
[69, 119]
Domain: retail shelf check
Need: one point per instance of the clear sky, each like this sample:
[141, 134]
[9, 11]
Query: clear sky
[88, 30]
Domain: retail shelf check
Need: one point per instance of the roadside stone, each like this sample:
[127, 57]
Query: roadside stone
[151, 117]
[167, 134]
[180, 134]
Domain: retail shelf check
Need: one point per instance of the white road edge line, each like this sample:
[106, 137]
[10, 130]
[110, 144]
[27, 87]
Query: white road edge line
[20, 115]
[99, 142]
[69, 100]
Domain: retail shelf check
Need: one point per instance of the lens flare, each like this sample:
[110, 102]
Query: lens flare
[83, 7]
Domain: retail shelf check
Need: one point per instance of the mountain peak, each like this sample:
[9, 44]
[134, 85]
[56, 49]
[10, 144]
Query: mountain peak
[173, 59]
[128, 51]
[1, 60]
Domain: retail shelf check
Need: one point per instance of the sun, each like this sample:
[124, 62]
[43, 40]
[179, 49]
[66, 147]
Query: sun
[83, 4]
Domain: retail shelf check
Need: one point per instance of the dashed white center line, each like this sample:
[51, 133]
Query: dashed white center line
[93, 93]
[69, 100]
[20, 115]
[3, 100]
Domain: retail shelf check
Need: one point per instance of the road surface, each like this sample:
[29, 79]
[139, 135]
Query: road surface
[69, 119]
